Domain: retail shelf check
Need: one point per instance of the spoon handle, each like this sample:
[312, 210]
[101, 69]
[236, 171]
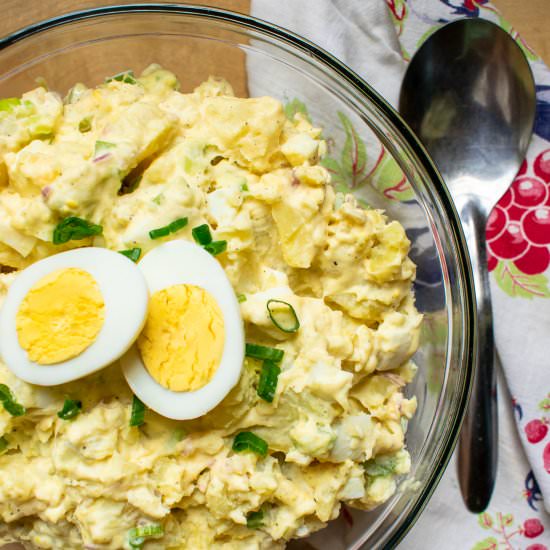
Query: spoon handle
[478, 444]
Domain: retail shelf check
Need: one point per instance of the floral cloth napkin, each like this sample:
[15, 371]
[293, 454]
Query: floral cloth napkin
[377, 38]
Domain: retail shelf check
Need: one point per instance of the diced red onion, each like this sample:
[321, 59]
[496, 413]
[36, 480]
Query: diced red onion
[102, 157]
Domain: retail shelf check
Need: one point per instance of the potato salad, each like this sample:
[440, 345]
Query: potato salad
[204, 346]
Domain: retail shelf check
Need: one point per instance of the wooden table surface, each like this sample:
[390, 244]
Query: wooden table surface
[192, 60]
[530, 17]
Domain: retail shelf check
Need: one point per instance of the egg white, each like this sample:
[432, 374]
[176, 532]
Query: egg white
[183, 262]
[126, 301]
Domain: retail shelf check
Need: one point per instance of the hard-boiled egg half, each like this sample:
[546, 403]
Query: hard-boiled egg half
[190, 353]
[72, 314]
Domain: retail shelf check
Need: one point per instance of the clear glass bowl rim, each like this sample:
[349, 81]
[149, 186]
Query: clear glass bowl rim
[311, 49]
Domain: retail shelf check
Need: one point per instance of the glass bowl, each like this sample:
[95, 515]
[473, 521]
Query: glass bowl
[374, 154]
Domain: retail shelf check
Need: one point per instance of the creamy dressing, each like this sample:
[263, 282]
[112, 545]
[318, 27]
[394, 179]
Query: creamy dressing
[254, 176]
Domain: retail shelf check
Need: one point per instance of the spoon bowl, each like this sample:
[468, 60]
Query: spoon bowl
[469, 95]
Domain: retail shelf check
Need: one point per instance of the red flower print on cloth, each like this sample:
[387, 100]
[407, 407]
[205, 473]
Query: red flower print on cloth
[546, 458]
[536, 430]
[541, 166]
[518, 232]
[532, 528]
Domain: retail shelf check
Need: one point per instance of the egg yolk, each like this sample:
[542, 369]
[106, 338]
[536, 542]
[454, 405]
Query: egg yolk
[183, 339]
[60, 316]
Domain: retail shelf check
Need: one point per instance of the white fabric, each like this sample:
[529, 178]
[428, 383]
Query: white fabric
[362, 34]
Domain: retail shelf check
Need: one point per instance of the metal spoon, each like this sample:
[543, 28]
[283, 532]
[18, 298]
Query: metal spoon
[469, 95]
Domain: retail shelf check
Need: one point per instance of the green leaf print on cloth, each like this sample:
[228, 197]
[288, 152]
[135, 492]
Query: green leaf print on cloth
[518, 284]
[508, 534]
[351, 170]
[486, 544]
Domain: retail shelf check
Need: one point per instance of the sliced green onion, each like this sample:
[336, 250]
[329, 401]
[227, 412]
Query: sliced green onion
[244, 187]
[202, 234]
[85, 125]
[173, 227]
[70, 410]
[9, 103]
[132, 253]
[380, 466]
[179, 435]
[159, 233]
[14, 408]
[125, 76]
[29, 107]
[247, 441]
[269, 377]
[3, 445]
[138, 412]
[216, 247]
[255, 520]
[39, 127]
[158, 199]
[178, 224]
[137, 535]
[241, 298]
[74, 229]
[102, 146]
[75, 93]
[264, 353]
[283, 315]
[10, 403]
[136, 542]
